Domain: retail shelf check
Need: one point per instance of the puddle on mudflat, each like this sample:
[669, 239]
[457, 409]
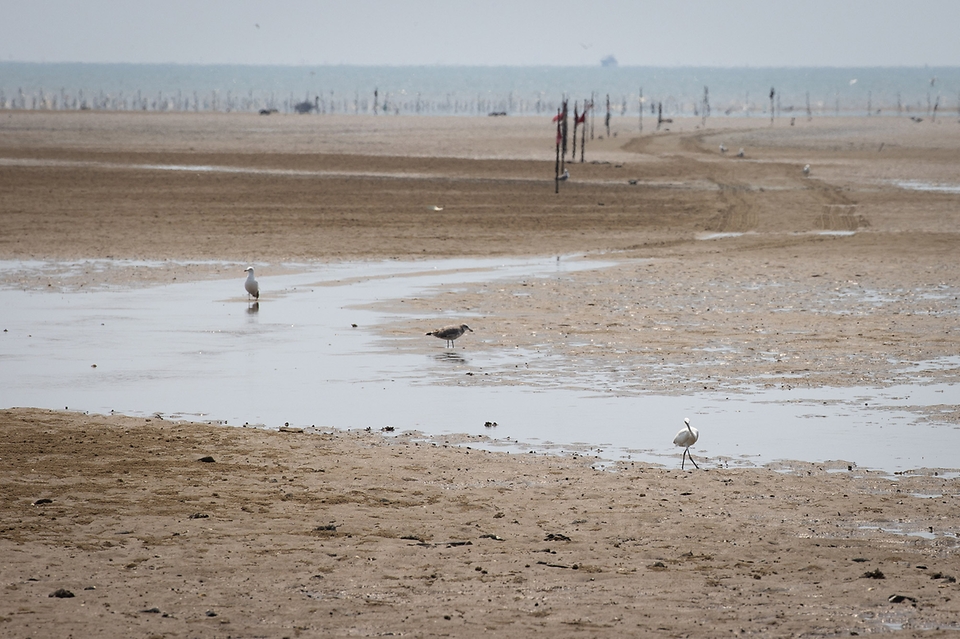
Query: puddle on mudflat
[919, 185]
[899, 530]
[199, 350]
[734, 234]
[718, 236]
[202, 168]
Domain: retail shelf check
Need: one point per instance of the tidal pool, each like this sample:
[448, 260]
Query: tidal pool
[310, 354]
[919, 185]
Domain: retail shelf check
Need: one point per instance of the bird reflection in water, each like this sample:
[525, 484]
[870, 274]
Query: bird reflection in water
[451, 357]
[253, 309]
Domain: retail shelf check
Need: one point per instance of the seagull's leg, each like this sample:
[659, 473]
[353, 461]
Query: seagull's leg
[691, 460]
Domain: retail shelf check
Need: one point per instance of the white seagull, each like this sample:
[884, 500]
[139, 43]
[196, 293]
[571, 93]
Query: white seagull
[564, 176]
[687, 437]
[806, 169]
[740, 153]
[450, 333]
[723, 148]
[253, 288]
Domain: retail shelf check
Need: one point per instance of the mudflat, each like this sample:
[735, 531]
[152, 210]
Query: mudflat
[729, 270]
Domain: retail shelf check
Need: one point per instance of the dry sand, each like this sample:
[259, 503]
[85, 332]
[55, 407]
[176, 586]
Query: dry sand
[328, 534]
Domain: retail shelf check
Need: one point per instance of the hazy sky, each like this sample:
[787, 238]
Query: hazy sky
[755, 33]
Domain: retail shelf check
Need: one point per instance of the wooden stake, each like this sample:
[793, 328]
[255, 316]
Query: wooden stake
[641, 109]
[705, 108]
[591, 115]
[563, 135]
[556, 177]
[607, 119]
[583, 132]
[576, 121]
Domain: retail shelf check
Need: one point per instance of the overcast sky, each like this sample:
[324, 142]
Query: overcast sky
[758, 33]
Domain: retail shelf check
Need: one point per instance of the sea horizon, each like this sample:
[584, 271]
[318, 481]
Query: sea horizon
[479, 90]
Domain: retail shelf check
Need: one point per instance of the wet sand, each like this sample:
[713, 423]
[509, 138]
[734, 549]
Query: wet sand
[336, 534]
[838, 278]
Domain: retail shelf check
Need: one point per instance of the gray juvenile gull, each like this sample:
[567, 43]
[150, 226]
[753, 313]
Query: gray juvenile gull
[253, 288]
[450, 333]
[687, 437]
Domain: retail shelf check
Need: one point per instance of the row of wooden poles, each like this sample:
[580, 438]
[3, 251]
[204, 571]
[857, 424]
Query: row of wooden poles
[580, 120]
[323, 102]
[702, 109]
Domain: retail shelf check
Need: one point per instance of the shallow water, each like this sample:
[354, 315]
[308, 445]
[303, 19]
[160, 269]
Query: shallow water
[918, 185]
[199, 350]
[202, 168]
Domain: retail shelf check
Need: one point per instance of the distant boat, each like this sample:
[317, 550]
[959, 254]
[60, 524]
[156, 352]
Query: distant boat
[609, 61]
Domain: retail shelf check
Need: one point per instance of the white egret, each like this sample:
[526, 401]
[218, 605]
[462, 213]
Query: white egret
[450, 333]
[253, 288]
[687, 437]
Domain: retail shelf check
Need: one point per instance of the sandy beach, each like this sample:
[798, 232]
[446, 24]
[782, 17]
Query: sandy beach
[731, 273]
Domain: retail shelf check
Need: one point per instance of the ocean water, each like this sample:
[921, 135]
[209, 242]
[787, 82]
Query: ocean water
[438, 90]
